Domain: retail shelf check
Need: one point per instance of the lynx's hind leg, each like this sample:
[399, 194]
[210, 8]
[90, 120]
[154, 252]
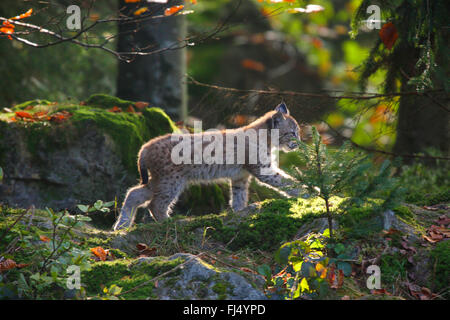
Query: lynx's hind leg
[166, 193]
[135, 198]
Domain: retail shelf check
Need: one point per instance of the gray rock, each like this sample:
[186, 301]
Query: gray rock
[201, 281]
[390, 221]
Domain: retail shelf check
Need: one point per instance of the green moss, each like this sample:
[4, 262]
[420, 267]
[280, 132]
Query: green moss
[222, 288]
[440, 265]
[35, 102]
[125, 274]
[105, 101]
[129, 131]
[278, 221]
[403, 211]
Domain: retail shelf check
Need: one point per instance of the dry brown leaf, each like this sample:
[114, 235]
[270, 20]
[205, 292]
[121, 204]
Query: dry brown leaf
[141, 104]
[99, 252]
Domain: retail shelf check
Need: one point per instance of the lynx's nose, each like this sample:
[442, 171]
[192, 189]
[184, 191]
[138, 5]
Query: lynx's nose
[293, 145]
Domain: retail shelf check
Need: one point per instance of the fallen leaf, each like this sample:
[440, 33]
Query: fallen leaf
[380, 292]
[248, 270]
[130, 109]
[23, 114]
[115, 109]
[145, 251]
[429, 239]
[8, 264]
[59, 117]
[44, 238]
[141, 246]
[99, 252]
[141, 104]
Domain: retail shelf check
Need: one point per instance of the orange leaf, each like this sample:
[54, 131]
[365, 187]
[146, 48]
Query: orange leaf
[131, 109]
[234, 257]
[40, 115]
[99, 252]
[115, 109]
[141, 104]
[140, 11]
[252, 65]
[7, 27]
[23, 114]
[132, 1]
[388, 35]
[380, 292]
[8, 264]
[44, 238]
[172, 10]
[23, 15]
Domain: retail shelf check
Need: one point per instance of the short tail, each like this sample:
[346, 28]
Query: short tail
[143, 172]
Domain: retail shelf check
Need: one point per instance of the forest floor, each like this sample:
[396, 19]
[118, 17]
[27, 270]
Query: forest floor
[410, 246]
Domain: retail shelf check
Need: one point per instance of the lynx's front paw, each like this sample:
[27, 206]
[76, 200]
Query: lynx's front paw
[123, 222]
[293, 192]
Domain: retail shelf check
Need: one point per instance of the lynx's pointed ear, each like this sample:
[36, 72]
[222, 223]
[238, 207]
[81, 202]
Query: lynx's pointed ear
[275, 120]
[282, 108]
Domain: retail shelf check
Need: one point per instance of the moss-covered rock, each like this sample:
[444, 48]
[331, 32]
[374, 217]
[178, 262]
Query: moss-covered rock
[88, 156]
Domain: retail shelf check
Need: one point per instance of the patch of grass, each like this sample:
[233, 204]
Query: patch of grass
[359, 223]
[440, 265]
[393, 268]
[277, 221]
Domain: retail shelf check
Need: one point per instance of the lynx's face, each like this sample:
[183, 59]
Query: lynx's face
[289, 134]
[289, 130]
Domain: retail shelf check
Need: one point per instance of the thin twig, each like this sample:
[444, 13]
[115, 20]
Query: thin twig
[389, 153]
[356, 96]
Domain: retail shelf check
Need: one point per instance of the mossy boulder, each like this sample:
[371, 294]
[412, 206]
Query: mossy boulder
[89, 155]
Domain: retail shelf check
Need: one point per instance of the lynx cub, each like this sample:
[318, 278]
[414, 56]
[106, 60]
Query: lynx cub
[235, 155]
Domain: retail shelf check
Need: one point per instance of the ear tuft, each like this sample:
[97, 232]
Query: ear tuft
[282, 108]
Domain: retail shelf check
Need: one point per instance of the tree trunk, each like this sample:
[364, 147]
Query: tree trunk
[423, 124]
[155, 78]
